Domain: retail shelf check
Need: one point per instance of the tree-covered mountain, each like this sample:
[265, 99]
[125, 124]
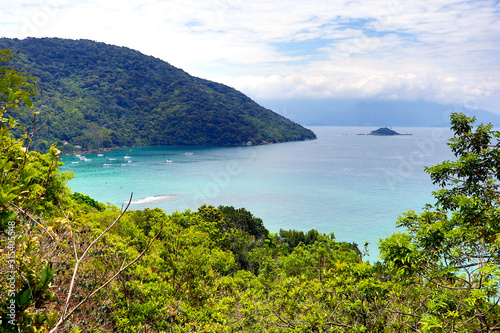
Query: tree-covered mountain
[96, 95]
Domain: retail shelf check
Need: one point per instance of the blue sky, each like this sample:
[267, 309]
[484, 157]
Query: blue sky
[445, 51]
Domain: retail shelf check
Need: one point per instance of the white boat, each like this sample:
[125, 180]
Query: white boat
[186, 154]
[168, 161]
[74, 162]
[129, 161]
[100, 155]
[126, 157]
[106, 164]
[111, 158]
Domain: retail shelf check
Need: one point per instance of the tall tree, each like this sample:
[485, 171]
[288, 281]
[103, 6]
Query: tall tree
[451, 251]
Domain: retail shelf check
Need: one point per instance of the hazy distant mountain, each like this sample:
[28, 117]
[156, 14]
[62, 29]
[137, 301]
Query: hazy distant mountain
[332, 112]
[97, 95]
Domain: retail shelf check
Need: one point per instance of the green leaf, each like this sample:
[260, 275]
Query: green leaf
[28, 102]
[25, 297]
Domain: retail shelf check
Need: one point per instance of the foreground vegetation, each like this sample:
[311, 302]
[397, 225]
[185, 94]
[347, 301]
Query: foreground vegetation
[94, 95]
[71, 264]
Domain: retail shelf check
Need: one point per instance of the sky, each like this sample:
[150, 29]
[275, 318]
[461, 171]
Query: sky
[444, 51]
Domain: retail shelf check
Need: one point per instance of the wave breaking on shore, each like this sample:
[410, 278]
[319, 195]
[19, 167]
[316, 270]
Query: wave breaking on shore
[156, 199]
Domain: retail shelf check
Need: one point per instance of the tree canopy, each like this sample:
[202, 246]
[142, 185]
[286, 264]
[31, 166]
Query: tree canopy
[95, 95]
[71, 264]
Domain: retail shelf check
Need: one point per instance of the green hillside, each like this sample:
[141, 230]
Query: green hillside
[96, 95]
[384, 131]
[72, 264]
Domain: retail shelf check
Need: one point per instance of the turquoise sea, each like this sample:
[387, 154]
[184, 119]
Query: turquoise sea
[353, 185]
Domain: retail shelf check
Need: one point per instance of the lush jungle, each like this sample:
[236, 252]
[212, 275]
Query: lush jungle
[93, 95]
[71, 264]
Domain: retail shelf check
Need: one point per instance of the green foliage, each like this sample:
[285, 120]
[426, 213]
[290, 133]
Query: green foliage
[87, 200]
[451, 248]
[220, 270]
[294, 238]
[29, 185]
[243, 220]
[95, 96]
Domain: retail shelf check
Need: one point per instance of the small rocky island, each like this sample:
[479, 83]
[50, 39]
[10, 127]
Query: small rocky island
[385, 131]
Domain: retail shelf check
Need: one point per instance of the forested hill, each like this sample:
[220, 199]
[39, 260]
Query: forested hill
[97, 95]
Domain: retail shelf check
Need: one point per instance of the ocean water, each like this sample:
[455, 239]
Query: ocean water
[353, 185]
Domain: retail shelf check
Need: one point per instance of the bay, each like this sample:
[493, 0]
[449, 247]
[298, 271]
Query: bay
[353, 185]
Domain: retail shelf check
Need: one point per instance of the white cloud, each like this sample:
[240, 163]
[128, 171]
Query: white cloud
[442, 50]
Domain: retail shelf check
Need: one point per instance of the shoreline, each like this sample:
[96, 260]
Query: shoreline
[97, 151]
[103, 150]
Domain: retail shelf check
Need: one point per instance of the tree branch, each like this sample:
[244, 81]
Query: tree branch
[31, 218]
[403, 313]
[123, 268]
[65, 313]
